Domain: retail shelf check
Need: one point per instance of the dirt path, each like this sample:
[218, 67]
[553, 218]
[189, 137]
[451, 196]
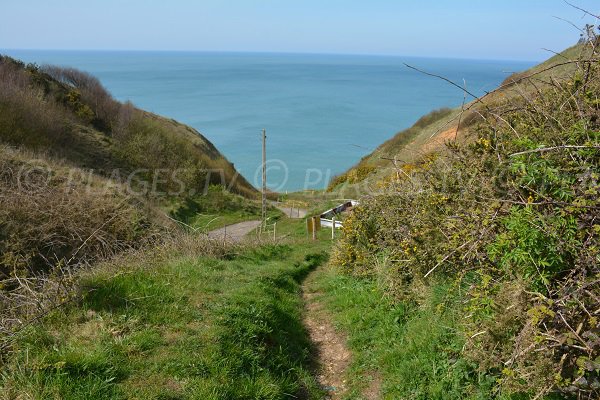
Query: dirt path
[234, 232]
[333, 356]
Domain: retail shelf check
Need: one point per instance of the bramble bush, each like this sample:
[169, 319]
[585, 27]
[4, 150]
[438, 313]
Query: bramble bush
[48, 220]
[511, 215]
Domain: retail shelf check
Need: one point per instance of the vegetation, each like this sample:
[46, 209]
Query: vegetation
[47, 215]
[67, 113]
[217, 208]
[398, 345]
[355, 175]
[472, 273]
[507, 220]
[80, 162]
[401, 139]
[175, 325]
[84, 178]
[385, 152]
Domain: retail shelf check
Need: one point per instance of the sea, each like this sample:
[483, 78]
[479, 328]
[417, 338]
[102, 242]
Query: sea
[321, 112]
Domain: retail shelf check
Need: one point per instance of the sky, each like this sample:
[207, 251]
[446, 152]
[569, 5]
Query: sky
[482, 29]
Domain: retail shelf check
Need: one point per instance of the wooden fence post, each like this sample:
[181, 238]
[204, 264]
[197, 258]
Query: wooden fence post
[332, 228]
[308, 224]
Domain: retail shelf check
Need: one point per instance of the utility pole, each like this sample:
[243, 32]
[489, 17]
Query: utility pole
[264, 178]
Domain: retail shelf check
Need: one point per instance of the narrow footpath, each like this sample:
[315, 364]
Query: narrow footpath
[333, 356]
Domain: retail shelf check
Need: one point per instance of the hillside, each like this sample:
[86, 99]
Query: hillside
[67, 114]
[84, 176]
[431, 132]
[470, 269]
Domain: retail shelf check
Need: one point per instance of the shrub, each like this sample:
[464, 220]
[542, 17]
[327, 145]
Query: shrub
[25, 116]
[101, 109]
[67, 113]
[48, 220]
[511, 216]
[354, 175]
[401, 139]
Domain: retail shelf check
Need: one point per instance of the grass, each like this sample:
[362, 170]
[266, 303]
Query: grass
[95, 152]
[217, 208]
[209, 222]
[189, 328]
[45, 219]
[413, 351]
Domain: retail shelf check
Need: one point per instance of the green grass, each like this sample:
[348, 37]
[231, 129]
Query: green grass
[413, 351]
[191, 328]
[217, 208]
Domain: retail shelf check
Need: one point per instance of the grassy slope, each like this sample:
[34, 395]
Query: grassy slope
[218, 208]
[427, 134]
[63, 124]
[188, 327]
[45, 217]
[67, 114]
[417, 351]
[398, 344]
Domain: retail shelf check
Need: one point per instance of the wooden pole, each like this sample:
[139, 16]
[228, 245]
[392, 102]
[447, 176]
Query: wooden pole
[275, 231]
[314, 230]
[264, 177]
[333, 228]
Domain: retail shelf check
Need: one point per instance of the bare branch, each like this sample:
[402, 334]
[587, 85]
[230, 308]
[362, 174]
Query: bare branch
[545, 149]
[581, 9]
[570, 23]
[449, 81]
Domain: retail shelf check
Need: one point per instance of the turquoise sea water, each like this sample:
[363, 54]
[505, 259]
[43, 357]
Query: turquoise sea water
[322, 112]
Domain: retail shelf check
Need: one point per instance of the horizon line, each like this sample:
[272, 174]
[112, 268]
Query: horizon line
[274, 52]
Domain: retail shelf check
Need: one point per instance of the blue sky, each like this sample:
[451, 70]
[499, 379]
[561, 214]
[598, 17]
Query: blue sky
[501, 29]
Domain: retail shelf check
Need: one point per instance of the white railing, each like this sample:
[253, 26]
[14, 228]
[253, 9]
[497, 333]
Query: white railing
[328, 217]
[328, 223]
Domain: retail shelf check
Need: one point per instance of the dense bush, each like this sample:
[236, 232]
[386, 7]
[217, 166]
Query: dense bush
[88, 97]
[25, 116]
[355, 175]
[49, 220]
[511, 216]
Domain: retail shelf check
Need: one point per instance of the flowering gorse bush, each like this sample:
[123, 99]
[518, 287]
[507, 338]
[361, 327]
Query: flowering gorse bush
[511, 214]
